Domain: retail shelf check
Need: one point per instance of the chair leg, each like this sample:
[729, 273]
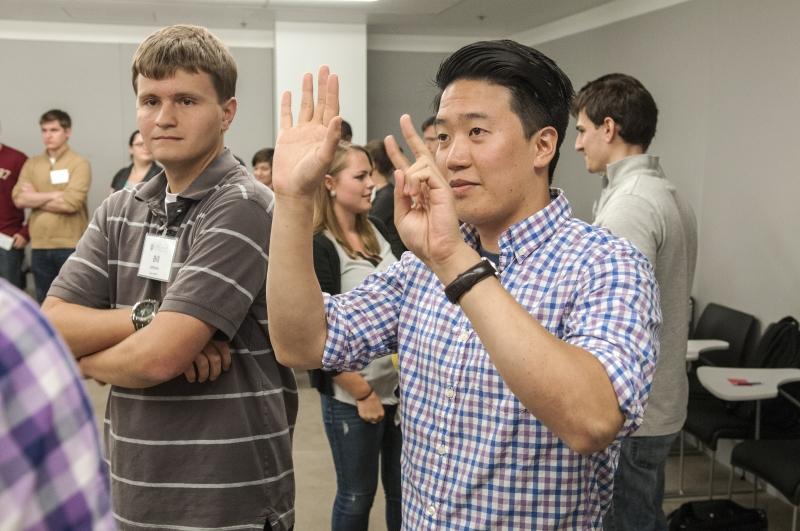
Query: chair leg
[711, 476]
[755, 490]
[730, 483]
[794, 518]
[680, 464]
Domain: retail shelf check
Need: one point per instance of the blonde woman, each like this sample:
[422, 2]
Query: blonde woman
[358, 408]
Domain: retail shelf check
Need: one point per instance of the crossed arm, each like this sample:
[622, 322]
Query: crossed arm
[67, 201]
[109, 350]
[28, 197]
[564, 386]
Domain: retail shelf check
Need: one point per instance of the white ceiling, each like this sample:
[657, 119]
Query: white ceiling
[480, 18]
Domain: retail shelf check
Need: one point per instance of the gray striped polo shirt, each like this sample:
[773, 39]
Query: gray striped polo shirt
[214, 455]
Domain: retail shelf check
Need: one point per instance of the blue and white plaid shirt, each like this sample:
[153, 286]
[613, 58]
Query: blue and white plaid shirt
[473, 456]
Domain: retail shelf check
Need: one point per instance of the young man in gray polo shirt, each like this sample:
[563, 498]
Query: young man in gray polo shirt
[616, 120]
[183, 250]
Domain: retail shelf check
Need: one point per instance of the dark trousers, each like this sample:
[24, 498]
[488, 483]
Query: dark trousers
[639, 485]
[45, 264]
[11, 266]
[360, 451]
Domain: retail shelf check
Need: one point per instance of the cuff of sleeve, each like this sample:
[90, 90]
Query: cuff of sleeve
[631, 391]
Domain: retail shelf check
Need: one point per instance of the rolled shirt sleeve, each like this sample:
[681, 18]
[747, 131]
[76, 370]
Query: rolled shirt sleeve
[363, 323]
[617, 317]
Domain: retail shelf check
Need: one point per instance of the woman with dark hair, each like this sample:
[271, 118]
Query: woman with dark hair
[359, 408]
[383, 198]
[141, 169]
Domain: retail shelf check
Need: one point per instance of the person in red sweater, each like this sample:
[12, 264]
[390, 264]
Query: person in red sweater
[13, 231]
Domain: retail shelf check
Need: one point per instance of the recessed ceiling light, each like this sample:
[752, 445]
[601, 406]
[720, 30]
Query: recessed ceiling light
[295, 2]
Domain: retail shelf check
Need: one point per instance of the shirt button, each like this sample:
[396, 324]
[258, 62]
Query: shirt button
[464, 336]
[431, 510]
[450, 392]
[441, 449]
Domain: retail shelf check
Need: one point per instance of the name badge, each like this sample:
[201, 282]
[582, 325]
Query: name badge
[157, 255]
[59, 176]
[6, 242]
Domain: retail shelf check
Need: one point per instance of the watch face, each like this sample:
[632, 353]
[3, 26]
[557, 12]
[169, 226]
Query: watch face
[144, 309]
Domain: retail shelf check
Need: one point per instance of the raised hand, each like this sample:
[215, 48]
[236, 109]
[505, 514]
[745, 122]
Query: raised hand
[424, 208]
[304, 151]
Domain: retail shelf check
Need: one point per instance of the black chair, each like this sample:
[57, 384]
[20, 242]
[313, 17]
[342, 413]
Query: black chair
[775, 461]
[707, 417]
[739, 329]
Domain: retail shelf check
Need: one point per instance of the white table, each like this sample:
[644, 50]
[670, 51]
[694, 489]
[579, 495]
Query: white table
[695, 347]
[761, 384]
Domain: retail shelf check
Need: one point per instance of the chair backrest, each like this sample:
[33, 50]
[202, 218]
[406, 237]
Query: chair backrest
[739, 329]
[779, 347]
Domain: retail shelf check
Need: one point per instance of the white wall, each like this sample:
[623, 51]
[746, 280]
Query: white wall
[393, 92]
[302, 47]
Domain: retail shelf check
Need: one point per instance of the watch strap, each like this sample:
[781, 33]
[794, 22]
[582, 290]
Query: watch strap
[466, 280]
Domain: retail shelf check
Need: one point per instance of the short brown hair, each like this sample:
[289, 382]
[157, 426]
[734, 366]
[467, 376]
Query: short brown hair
[624, 99]
[263, 155]
[57, 115]
[190, 48]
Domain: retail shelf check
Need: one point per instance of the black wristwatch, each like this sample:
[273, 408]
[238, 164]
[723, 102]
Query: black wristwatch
[464, 282]
[143, 312]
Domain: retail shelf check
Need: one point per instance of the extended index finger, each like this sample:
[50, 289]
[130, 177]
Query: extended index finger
[413, 139]
[395, 155]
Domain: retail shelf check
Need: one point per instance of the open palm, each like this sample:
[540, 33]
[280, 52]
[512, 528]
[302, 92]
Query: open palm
[304, 151]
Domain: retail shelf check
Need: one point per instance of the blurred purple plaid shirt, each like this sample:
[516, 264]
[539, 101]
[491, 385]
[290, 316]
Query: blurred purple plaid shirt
[52, 475]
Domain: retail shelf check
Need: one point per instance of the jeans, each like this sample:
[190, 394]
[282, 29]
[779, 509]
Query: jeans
[639, 485]
[11, 266]
[358, 447]
[45, 264]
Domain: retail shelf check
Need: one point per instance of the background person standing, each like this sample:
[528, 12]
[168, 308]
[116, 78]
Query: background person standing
[54, 186]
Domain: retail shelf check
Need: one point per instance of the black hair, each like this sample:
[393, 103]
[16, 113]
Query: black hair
[57, 115]
[133, 135]
[429, 121]
[347, 132]
[624, 99]
[541, 92]
[263, 155]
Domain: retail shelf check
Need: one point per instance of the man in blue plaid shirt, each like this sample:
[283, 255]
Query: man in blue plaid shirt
[518, 384]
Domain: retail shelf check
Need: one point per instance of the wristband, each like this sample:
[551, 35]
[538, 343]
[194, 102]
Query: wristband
[371, 390]
[466, 280]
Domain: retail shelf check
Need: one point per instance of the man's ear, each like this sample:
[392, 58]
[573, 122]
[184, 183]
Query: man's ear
[228, 112]
[545, 140]
[610, 129]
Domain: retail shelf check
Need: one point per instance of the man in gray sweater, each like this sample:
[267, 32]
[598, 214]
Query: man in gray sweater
[616, 120]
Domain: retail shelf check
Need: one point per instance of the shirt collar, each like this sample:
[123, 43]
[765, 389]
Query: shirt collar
[154, 190]
[60, 153]
[621, 170]
[524, 237]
